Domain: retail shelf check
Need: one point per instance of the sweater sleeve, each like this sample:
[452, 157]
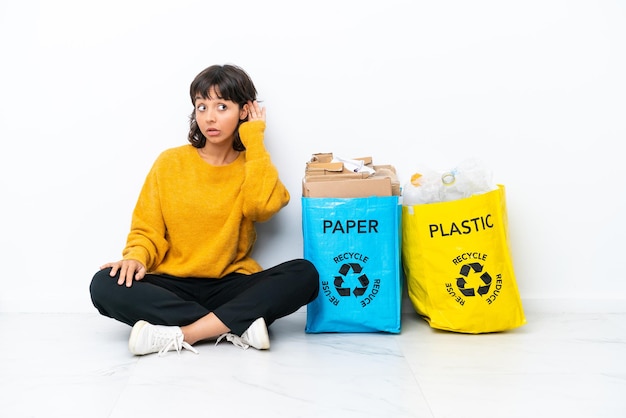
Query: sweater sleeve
[146, 241]
[264, 193]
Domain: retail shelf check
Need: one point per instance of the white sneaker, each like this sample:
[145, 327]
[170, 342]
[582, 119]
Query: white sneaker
[255, 336]
[146, 338]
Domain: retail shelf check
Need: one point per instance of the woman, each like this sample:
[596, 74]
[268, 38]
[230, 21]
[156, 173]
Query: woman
[187, 273]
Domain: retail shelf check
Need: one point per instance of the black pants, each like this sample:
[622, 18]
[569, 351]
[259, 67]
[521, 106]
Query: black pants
[237, 299]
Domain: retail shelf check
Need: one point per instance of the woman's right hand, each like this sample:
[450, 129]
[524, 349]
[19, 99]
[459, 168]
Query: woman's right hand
[129, 270]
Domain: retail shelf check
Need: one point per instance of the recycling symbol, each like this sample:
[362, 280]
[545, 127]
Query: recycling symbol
[474, 269]
[340, 281]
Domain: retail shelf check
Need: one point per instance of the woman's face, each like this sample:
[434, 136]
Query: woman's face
[218, 118]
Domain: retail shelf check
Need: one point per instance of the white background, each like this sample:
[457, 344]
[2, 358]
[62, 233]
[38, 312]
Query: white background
[92, 91]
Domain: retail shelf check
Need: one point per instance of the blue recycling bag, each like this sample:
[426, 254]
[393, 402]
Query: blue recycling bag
[355, 245]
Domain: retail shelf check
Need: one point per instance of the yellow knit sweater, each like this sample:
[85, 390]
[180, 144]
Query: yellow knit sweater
[193, 219]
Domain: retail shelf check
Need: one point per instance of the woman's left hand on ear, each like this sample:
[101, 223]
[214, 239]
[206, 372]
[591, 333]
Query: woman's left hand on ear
[255, 112]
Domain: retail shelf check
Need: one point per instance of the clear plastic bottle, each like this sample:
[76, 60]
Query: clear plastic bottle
[468, 178]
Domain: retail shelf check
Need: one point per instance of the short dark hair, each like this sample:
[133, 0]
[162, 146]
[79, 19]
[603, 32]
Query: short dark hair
[232, 83]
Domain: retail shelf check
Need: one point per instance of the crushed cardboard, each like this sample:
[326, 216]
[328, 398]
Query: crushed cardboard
[327, 157]
[325, 178]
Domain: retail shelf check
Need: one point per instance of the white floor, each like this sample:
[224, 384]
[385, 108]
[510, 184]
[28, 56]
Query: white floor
[562, 363]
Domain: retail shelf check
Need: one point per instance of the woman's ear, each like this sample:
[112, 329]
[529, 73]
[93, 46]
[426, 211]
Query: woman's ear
[243, 113]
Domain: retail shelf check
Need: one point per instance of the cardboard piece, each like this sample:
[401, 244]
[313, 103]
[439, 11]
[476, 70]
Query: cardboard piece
[351, 187]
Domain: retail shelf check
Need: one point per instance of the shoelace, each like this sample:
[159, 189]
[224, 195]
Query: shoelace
[235, 339]
[178, 344]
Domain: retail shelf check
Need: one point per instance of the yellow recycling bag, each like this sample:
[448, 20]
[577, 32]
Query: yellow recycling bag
[458, 266]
